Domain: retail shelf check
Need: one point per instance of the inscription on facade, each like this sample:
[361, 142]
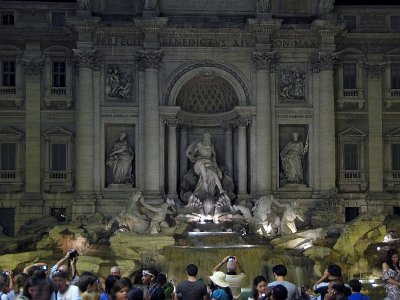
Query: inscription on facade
[207, 42]
[295, 43]
[118, 41]
[207, 4]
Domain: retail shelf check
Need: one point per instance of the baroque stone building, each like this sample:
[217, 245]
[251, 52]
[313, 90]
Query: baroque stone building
[82, 80]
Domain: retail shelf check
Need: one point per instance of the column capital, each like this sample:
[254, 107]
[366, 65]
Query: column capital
[323, 61]
[230, 126]
[263, 60]
[149, 59]
[244, 122]
[87, 58]
[171, 122]
[374, 69]
[32, 66]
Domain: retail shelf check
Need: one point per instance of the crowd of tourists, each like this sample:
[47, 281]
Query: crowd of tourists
[64, 282]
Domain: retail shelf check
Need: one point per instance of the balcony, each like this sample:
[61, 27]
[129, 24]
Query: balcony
[351, 97]
[392, 181]
[392, 97]
[58, 97]
[353, 181]
[11, 94]
[58, 181]
[11, 180]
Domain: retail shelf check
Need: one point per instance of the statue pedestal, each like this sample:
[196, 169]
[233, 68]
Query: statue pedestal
[120, 186]
[83, 13]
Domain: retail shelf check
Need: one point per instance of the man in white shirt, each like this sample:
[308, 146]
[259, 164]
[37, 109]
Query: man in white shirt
[280, 273]
[234, 275]
[63, 290]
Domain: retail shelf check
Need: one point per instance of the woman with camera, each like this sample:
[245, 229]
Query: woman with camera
[220, 287]
[234, 274]
[260, 288]
[391, 274]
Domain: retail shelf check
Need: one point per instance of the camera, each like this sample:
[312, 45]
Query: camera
[5, 274]
[73, 253]
[231, 258]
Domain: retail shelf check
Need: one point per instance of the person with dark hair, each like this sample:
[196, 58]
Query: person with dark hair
[191, 288]
[166, 285]
[120, 289]
[279, 292]
[355, 286]
[260, 288]
[336, 290]
[108, 285]
[88, 285]
[391, 274]
[135, 293]
[153, 290]
[32, 288]
[280, 273]
[63, 289]
[333, 272]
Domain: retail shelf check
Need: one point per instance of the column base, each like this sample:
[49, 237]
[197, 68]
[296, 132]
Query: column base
[152, 196]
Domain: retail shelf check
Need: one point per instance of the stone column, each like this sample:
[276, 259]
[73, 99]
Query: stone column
[183, 163]
[375, 142]
[87, 61]
[264, 62]
[150, 62]
[172, 157]
[229, 148]
[33, 71]
[323, 63]
[242, 155]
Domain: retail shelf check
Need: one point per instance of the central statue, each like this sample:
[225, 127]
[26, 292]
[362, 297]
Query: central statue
[202, 154]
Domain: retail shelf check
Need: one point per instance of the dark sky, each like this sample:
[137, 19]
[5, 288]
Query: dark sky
[338, 2]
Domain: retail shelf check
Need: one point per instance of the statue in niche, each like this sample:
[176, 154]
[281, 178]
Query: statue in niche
[292, 155]
[84, 4]
[290, 214]
[205, 165]
[292, 85]
[121, 160]
[150, 4]
[118, 84]
[325, 7]
[263, 6]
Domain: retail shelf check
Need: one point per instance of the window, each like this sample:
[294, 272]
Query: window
[395, 22]
[8, 73]
[58, 19]
[351, 154]
[351, 22]
[59, 74]
[395, 156]
[7, 18]
[349, 76]
[395, 76]
[8, 156]
[58, 157]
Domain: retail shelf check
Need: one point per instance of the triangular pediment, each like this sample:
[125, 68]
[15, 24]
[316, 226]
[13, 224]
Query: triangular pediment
[9, 131]
[394, 133]
[352, 132]
[58, 131]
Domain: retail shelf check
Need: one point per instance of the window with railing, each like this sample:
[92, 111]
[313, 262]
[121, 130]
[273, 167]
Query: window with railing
[8, 73]
[351, 161]
[8, 160]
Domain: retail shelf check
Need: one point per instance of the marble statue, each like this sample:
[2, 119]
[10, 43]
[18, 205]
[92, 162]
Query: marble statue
[205, 165]
[132, 217]
[292, 85]
[291, 212]
[325, 6]
[120, 160]
[150, 4]
[263, 6]
[265, 220]
[158, 214]
[292, 155]
[84, 4]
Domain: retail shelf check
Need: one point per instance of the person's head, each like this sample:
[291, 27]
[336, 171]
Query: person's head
[120, 290]
[259, 286]
[60, 281]
[279, 292]
[20, 280]
[192, 270]
[295, 136]
[149, 276]
[335, 271]
[87, 283]
[109, 283]
[355, 285]
[231, 266]
[63, 268]
[392, 258]
[279, 270]
[219, 279]
[336, 288]
[207, 137]
[32, 288]
[122, 135]
[161, 279]
[135, 294]
[115, 270]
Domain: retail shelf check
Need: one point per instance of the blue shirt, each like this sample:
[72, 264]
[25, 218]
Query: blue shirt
[358, 296]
